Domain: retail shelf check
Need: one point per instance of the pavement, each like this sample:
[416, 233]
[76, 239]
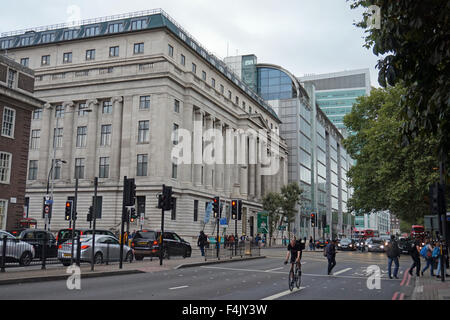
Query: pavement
[431, 288]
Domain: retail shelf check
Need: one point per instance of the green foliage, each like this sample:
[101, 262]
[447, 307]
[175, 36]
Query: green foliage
[272, 204]
[387, 175]
[290, 194]
[414, 48]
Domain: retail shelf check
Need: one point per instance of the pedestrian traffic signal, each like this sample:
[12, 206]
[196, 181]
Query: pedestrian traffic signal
[313, 220]
[239, 209]
[90, 215]
[69, 209]
[133, 214]
[216, 207]
[234, 209]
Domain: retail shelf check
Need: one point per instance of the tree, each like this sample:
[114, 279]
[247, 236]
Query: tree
[387, 175]
[414, 43]
[290, 194]
[272, 204]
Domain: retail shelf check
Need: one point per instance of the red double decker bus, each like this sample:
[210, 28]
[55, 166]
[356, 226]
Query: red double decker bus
[418, 232]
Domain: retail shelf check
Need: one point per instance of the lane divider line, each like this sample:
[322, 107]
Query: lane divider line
[282, 294]
[175, 288]
[341, 271]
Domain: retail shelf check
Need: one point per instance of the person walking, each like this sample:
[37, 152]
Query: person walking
[415, 256]
[311, 243]
[201, 242]
[330, 253]
[436, 255]
[427, 253]
[393, 254]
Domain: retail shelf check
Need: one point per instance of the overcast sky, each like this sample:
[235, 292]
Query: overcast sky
[303, 36]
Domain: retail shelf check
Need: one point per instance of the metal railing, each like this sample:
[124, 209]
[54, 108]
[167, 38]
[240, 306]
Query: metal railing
[228, 251]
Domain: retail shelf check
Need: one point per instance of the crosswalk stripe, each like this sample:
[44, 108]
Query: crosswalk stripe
[282, 294]
[341, 271]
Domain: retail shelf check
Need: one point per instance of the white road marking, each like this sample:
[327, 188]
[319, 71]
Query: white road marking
[175, 288]
[282, 294]
[341, 271]
[274, 269]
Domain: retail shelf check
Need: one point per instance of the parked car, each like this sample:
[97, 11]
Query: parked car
[146, 244]
[16, 250]
[376, 245]
[66, 234]
[346, 244]
[99, 231]
[36, 238]
[107, 248]
[321, 243]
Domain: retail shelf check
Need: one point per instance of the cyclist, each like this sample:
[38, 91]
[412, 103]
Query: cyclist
[293, 250]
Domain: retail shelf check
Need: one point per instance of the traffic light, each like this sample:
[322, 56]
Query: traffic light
[133, 214]
[69, 209]
[167, 201]
[216, 206]
[234, 209]
[313, 220]
[130, 192]
[324, 220]
[239, 209]
[90, 215]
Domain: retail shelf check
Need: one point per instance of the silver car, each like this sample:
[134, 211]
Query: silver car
[107, 248]
[16, 250]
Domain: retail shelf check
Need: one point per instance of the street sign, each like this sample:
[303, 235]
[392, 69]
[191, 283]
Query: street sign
[49, 202]
[327, 229]
[431, 223]
[282, 228]
[223, 222]
[263, 222]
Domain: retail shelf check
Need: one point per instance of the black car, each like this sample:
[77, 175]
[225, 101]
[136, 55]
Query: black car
[37, 238]
[346, 244]
[146, 244]
[405, 245]
[321, 243]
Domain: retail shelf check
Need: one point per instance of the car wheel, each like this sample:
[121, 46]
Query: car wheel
[98, 258]
[129, 257]
[166, 254]
[65, 263]
[25, 259]
[187, 253]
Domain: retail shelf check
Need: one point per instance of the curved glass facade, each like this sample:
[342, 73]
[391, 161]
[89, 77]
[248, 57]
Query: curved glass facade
[274, 84]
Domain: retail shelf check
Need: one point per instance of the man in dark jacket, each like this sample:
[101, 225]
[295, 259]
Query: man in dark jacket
[415, 255]
[202, 241]
[330, 251]
[393, 254]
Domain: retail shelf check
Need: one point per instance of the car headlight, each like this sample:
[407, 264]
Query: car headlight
[370, 246]
[382, 247]
[339, 245]
[350, 245]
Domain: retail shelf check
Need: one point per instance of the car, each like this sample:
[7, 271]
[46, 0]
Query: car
[99, 231]
[66, 234]
[146, 244]
[346, 244]
[36, 237]
[405, 245]
[321, 243]
[376, 245]
[107, 248]
[16, 250]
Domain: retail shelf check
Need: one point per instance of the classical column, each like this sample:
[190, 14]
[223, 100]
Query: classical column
[92, 138]
[244, 168]
[46, 142]
[198, 147]
[69, 142]
[188, 124]
[219, 156]
[252, 150]
[116, 137]
[258, 179]
[208, 146]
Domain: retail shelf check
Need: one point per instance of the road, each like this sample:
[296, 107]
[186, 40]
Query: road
[260, 279]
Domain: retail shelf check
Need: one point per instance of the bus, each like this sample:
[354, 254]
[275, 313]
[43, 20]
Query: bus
[418, 232]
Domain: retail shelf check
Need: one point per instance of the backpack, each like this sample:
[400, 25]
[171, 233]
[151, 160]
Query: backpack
[424, 252]
[436, 252]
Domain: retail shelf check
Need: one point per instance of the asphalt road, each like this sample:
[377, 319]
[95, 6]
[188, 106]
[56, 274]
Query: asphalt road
[261, 279]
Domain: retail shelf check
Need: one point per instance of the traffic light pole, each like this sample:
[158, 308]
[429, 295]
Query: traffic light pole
[443, 221]
[161, 240]
[94, 213]
[123, 218]
[73, 218]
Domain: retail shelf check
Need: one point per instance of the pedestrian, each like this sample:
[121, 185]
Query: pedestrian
[330, 253]
[427, 253]
[393, 254]
[201, 242]
[231, 241]
[311, 243]
[415, 256]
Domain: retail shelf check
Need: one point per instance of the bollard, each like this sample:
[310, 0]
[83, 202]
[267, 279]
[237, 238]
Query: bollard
[43, 258]
[3, 261]
[78, 250]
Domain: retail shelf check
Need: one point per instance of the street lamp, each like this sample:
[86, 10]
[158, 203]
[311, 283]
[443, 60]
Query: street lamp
[54, 161]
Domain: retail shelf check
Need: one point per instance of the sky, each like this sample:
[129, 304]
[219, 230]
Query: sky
[302, 36]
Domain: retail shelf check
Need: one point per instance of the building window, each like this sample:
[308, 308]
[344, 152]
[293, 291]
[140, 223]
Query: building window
[183, 60]
[67, 57]
[229, 94]
[115, 27]
[195, 210]
[5, 167]
[92, 31]
[82, 109]
[35, 138]
[37, 114]
[173, 215]
[170, 50]
[45, 60]
[8, 123]
[138, 24]
[25, 62]
[222, 89]
[176, 107]
[107, 107]
[194, 68]
[175, 134]
[11, 78]
[104, 167]
[204, 75]
[144, 102]
[90, 54]
[114, 51]
[32, 170]
[249, 109]
[26, 41]
[69, 34]
[59, 111]
[105, 136]
[143, 131]
[79, 168]
[48, 37]
[213, 82]
[142, 163]
[237, 100]
[3, 210]
[138, 48]
[174, 168]
[81, 137]
[57, 137]
[57, 168]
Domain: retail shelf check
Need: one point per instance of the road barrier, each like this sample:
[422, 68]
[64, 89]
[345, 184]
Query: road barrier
[241, 249]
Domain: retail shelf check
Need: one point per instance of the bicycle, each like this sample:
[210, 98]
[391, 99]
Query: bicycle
[295, 276]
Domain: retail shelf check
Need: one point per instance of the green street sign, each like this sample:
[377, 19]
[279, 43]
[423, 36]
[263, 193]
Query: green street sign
[282, 228]
[327, 229]
[262, 222]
